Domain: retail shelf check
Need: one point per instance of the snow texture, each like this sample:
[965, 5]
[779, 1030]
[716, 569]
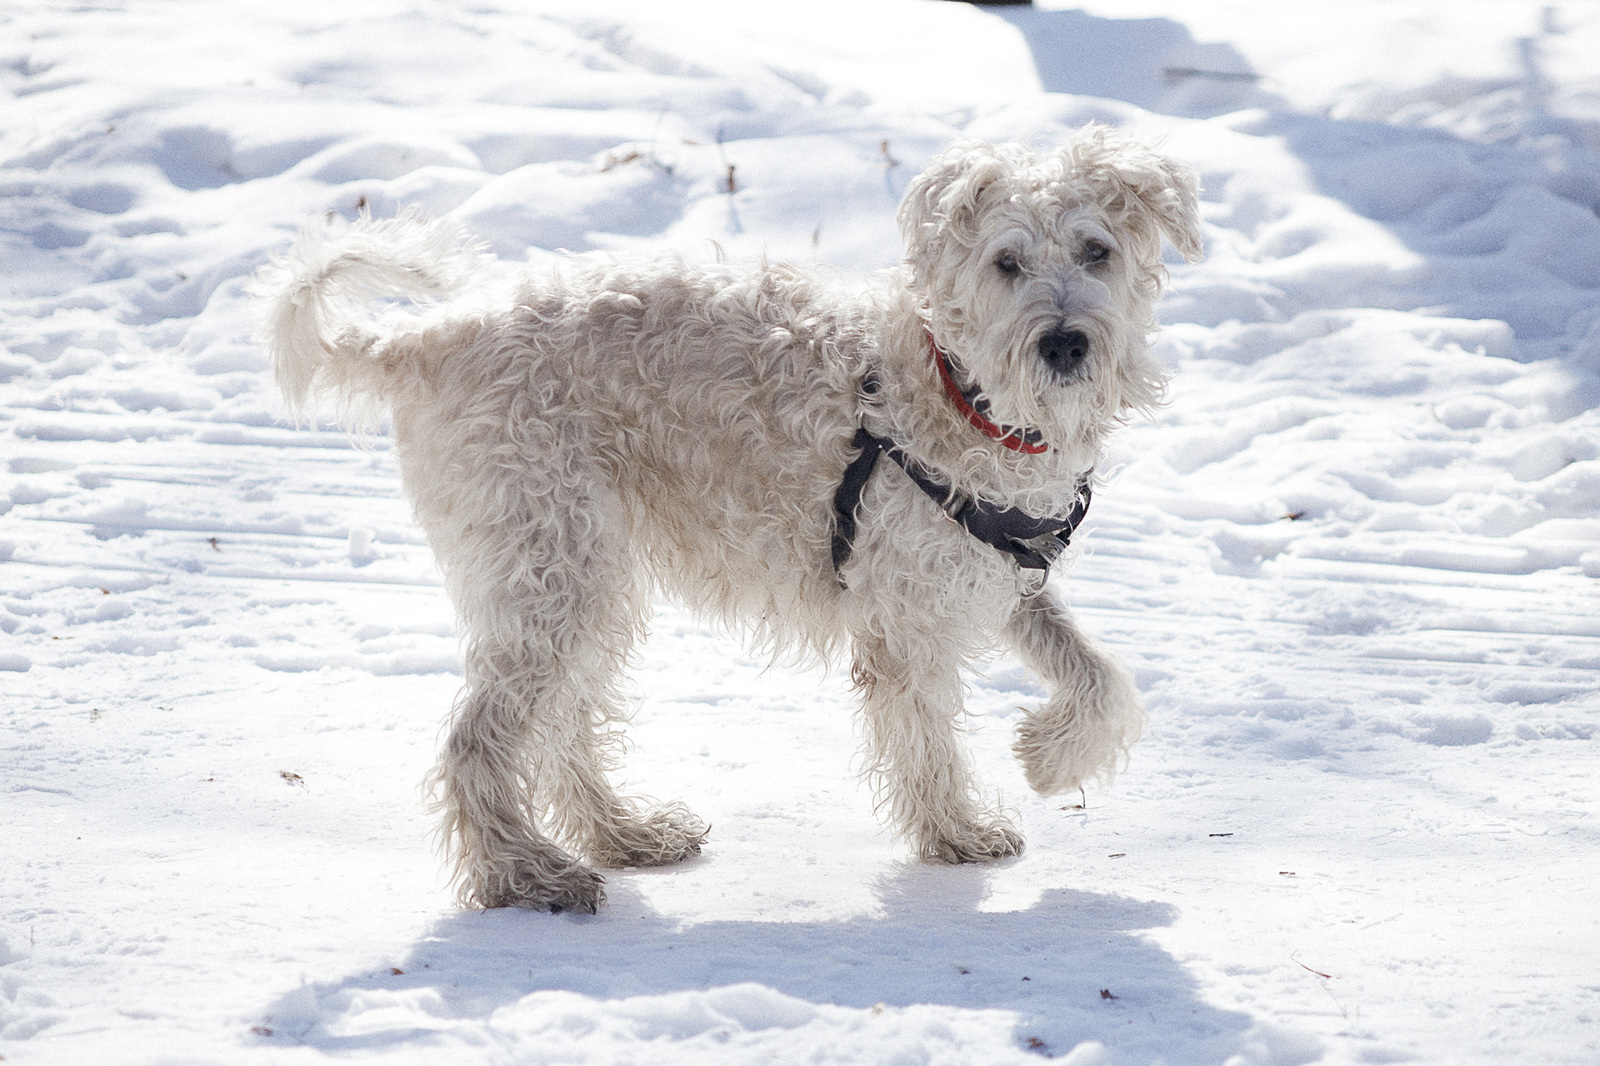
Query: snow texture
[1352, 563]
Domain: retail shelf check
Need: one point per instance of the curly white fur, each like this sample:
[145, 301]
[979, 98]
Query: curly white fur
[618, 427]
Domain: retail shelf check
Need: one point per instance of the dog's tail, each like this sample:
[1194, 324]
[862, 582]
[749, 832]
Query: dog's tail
[317, 320]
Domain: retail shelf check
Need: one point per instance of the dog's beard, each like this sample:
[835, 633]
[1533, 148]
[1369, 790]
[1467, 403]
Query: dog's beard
[1002, 357]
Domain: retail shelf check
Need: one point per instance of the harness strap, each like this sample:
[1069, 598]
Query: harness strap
[1032, 541]
[847, 498]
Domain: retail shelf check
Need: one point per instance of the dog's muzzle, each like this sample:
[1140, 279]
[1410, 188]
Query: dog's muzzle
[1064, 350]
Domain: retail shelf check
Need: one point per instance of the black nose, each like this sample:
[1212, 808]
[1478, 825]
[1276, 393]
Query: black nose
[1063, 349]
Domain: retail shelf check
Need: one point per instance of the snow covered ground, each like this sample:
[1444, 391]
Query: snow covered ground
[1353, 563]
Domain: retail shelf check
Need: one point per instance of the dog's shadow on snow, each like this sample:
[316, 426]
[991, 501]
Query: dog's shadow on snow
[1073, 967]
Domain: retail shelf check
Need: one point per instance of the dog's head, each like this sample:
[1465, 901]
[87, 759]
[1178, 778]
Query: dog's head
[1041, 270]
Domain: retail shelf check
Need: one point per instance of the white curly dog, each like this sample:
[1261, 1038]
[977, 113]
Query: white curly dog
[611, 428]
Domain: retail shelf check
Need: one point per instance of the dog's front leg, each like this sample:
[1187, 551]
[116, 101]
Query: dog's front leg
[1093, 716]
[921, 773]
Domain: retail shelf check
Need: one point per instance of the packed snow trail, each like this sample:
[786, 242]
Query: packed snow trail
[1353, 562]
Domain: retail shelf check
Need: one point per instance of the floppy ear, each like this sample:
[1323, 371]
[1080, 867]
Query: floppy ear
[1173, 199]
[1164, 190]
[943, 203]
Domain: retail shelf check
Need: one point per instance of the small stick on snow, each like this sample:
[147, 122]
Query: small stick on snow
[1308, 969]
[729, 185]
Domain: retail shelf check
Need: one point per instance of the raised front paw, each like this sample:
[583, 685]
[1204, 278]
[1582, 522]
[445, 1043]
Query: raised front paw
[1081, 735]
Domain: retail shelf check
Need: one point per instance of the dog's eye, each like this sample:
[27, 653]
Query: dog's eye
[1095, 252]
[1007, 264]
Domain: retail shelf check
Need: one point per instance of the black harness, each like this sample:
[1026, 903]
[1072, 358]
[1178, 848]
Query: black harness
[1032, 541]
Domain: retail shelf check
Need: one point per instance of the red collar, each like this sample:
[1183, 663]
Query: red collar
[971, 403]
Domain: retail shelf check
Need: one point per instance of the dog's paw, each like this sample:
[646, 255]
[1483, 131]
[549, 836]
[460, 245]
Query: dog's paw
[980, 842]
[582, 894]
[539, 885]
[658, 837]
[1066, 743]
[1056, 759]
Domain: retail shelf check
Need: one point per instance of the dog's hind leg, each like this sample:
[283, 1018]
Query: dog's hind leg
[528, 749]
[911, 703]
[536, 566]
[1093, 716]
[484, 786]
[609, 829]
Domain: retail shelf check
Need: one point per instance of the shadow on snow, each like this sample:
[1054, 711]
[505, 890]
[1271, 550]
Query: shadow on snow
[1495, 193]
[931, 945]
